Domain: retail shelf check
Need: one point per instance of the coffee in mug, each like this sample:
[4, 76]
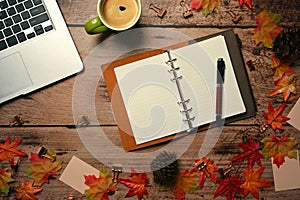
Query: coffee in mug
[116, 15]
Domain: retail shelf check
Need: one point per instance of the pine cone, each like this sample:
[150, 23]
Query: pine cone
[286, 46]
[165, 169]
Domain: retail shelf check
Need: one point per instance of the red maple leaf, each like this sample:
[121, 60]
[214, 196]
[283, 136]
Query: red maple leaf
[9, 150]
[248, 3]
[186, 182]
[207, 171]
[137, 184]
[278, 148]
[251, 153]
[230, 186]
[253, 182]
[274, 117]
[285, 85]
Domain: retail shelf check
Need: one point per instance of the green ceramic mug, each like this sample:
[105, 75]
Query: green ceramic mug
[117, 15]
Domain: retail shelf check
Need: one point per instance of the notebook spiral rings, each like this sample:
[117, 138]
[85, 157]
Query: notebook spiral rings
[183, 102]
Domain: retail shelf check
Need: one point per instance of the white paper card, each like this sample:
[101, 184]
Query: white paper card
[287, 176]
[294, 115]
[73, 175]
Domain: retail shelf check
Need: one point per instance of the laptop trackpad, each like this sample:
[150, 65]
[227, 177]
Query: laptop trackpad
[13, 75]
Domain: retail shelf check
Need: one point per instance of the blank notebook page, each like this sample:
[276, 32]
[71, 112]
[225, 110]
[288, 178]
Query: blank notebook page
[151, 97]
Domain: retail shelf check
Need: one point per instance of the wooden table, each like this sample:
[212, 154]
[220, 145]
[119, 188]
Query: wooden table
[48, 113]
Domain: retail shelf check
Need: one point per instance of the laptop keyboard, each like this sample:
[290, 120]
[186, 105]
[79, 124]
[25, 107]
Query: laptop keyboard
[22, 20]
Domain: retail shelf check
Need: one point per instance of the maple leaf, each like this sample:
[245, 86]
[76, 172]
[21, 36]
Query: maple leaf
[251, 153]
[27, 191]
[285, 85]
[274, 117]
[229, 186]
[207, 5]
[281, 68]
[186, 182]
[279, 148]
[42, 169]
[208, 171]
[99, 187]
[248, 3]
[267, 29]
[253, 182]
[137, 184]
[9, 150]
[5, 178]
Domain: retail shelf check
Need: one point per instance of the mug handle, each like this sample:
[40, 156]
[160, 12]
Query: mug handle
[94, 26]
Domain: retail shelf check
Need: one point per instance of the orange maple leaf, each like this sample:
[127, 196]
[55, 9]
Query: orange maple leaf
[138, 184]
[207, 5]
[253, 182]
[267, 29]
[99, 187]
[285, 85]
[42, 169]
[207, 171]
[9, 150]
[279, 148]
[27, 191]
[186, 182]
[281, 68]
[274, 117]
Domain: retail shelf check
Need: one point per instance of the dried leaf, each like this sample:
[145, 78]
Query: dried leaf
[267, 29]
[5, 178]
[279, 148]
[99, 187]
[229, 186]
[251, 153]
[186, 182]
[274, 117]
[42, 169]
[27, 191]
[248, 3]
[208, 171]
[281, 68]
[137, 184]
[9, 150]
[285, 85]
[207, 5]
[253, 182]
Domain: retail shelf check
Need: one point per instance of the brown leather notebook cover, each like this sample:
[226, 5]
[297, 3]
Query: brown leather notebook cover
[125, 131]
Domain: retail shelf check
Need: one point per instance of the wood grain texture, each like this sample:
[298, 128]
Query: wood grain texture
[53, 105]
[68, 144]
[48, 114]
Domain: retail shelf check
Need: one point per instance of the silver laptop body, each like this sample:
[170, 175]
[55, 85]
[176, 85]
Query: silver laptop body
[37, 55]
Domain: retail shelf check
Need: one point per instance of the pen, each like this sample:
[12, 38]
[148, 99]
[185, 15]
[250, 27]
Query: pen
[220, 83]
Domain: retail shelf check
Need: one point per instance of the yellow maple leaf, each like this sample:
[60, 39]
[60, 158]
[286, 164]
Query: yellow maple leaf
[207, 6]
[267, 29]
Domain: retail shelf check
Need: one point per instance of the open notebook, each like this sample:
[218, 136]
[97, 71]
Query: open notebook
[153, 102]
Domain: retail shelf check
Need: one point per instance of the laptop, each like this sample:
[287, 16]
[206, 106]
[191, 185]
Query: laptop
[36, 48]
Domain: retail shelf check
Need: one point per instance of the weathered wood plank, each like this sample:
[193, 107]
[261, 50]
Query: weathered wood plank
[66, 143]
[53, 105]
[74, 14]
